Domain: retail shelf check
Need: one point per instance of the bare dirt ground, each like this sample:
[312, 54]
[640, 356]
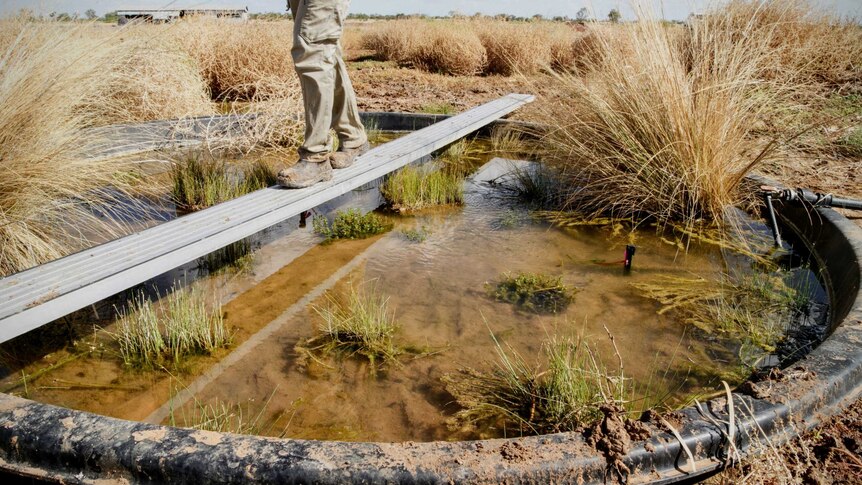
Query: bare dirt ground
[831, 454]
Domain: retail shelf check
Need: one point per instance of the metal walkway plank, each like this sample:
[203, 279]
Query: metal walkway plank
[42, 294]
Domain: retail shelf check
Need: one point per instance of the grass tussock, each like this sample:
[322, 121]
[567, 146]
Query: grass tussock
[240, 61]
[158, 80]
[564, 394]
[534, 292]
[199, 182]
[809, 45]
[756, 310]
[394, 41]
[358, 322]
[350, 224]
[415, 188]
[454, 50]
[50, 191]
[187, 323]
[467, 47]
[659, 135]
[515, 48]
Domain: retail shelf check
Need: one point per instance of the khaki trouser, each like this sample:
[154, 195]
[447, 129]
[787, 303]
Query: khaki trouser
[330, 102]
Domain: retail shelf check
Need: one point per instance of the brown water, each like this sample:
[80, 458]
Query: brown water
[437, 289]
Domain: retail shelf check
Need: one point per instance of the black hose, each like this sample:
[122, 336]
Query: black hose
[818, 199]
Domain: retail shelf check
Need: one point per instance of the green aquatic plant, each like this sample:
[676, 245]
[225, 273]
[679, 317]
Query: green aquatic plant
[535, 292]
[185, 324]
[352, 224]
[414, 188]
[563, 395]
[416, 235]
[534, 184]
[463, 157]
[438, 109]
[238, 257]
[199, 182]
[357, 322]
[228, 417]
[755, 309]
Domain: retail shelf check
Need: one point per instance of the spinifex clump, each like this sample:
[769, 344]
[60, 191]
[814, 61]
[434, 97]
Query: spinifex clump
[415, 188]
[533, 292]
[565, 396]
[358, 322]
[350, 225]
[184, 325]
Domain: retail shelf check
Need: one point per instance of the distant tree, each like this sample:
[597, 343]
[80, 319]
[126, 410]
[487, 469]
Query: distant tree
[90, 14]
[614, 16]
[537, 18]
[110, 17]
[583, 15]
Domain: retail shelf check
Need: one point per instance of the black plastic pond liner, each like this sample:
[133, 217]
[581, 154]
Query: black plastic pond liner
[55, 444]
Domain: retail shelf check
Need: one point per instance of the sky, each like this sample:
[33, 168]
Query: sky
[670, 9]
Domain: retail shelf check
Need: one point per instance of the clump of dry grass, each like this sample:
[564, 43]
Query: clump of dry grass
[249, 68]
[655, 135]
[808, 44]
[157, 81]
[49, 187]
[394, 40]
[451, 49]
[240, 61]
[467, 47]
[515, 48]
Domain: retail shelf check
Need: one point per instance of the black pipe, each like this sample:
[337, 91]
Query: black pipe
[819, 200]
[773, 222]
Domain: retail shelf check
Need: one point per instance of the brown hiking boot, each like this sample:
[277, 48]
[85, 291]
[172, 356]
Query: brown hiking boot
[305, 174]
[344, 157]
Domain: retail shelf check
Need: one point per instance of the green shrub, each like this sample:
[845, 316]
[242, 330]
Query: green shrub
[351, 224]
[534, 292]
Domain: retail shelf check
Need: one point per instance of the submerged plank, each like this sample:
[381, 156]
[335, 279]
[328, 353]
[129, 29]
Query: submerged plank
[42, 294]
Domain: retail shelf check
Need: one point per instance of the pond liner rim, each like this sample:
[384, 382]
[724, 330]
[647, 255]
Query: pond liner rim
[54, 444]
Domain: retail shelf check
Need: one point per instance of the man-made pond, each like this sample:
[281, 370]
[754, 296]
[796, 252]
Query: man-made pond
[438, 270]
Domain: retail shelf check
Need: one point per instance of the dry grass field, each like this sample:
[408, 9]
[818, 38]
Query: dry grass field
[671, 117]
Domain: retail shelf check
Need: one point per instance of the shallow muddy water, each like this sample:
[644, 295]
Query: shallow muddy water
[438, 290]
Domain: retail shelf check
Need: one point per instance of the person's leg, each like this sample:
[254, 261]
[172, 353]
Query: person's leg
[317, 28]
[345, 114]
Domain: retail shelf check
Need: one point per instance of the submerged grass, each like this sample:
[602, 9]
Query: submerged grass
[352, 224]
[228, 417]
[185, 324]
[565, 395]
[357, 322]
[534, 292]
[755, 309]
[199, 181]
[415, 188]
